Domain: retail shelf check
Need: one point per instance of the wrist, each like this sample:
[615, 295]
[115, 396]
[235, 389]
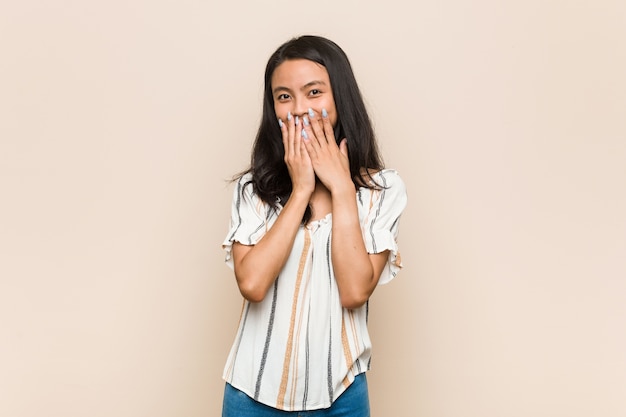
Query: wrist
[301, 194]
[342, 188]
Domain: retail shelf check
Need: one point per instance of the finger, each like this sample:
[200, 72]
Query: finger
[297, 136]
[304, 152]
[289, 148]
[285, 134]
[311, 144]
[343, 147]
[309, 136]
[328, 128]
[317, 129]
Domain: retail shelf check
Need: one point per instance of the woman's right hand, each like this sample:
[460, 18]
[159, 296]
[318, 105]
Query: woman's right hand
[296, 156]
[257, 266]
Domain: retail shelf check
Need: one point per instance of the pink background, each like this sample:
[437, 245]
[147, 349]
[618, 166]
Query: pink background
[121, 121]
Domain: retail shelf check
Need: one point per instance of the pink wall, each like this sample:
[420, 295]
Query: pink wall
[121, 121]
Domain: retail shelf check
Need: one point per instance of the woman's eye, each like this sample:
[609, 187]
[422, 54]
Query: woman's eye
[283, 97]
[314, 92]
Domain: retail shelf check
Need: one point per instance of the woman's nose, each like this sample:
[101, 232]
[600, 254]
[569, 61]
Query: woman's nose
[300, 108]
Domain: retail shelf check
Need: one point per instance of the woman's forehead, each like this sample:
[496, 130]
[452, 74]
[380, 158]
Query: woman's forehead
[299, 72]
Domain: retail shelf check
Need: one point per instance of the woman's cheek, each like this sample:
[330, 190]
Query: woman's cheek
[280, 112]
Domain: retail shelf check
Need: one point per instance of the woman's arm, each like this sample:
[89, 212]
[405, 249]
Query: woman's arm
[356, 271]
[257, 266]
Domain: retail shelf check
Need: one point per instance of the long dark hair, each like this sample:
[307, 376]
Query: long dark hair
[270, 177]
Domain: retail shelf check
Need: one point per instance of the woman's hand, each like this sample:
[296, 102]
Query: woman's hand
[296, 156]
[356, 272]
[330, 162]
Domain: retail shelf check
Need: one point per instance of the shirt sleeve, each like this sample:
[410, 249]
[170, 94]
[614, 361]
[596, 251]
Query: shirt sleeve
[249, 219]
[381, 223]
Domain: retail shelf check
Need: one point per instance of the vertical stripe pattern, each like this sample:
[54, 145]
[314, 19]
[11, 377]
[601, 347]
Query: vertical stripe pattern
[298, 349]
[294, 307]
[268, 338]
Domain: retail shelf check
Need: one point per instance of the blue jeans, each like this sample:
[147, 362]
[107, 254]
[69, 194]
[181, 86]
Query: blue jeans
[354, 402]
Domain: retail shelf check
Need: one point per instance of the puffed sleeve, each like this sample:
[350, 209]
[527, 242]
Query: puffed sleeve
[381, 210]
[250, 218]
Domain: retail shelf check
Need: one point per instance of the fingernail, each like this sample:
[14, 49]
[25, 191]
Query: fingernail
[311, 112]
[304, 134]
[324, 113]
[288, 115]
[297, 120]
[280, 123]
[305, 120]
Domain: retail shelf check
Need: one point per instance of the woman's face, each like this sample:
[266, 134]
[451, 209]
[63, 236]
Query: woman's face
[300, 84]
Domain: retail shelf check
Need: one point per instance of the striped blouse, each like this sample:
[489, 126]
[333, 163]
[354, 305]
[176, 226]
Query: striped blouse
[298, 349]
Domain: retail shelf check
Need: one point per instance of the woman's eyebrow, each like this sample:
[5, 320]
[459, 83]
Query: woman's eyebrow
[312, 83]
[304, 87]
[280, 88]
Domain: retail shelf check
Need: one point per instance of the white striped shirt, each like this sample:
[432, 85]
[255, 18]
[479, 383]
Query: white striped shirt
[298, 349]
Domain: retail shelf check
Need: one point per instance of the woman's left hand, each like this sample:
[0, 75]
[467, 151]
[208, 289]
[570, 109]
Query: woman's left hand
[330, 162]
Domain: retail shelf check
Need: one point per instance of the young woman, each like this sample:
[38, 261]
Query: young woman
[313, 232]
